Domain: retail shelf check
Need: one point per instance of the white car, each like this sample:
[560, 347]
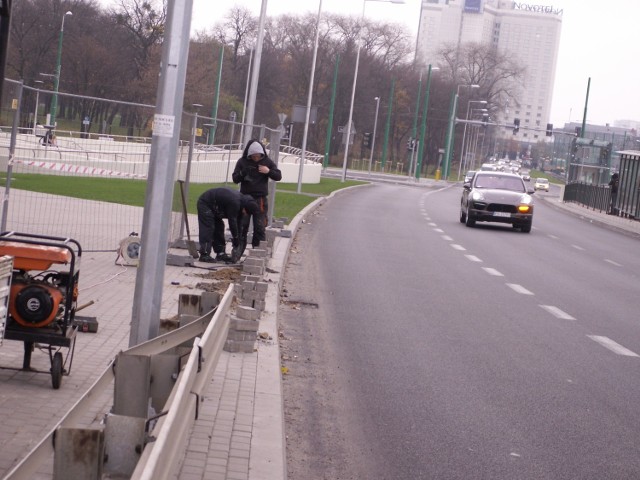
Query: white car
[541, 184]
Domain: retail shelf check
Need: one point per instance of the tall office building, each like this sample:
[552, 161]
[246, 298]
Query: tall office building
[530, 33]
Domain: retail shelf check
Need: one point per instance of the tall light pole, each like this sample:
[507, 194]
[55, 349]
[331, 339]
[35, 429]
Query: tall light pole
[35, 111]
[353, 91]
[449, 142]
[373, 138]
[56, 80]
[305, 133]
[464, 134]
[423, 126]
[255, 74]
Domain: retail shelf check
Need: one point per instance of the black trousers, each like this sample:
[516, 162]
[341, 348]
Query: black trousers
[259, 222]
[210, 230]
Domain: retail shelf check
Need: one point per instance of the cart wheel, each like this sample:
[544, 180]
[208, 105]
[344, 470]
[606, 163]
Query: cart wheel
[56, 370]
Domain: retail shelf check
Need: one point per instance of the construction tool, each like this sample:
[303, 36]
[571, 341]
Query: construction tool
[191, 245]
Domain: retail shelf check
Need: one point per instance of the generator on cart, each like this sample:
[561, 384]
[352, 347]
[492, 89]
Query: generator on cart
[43, 297]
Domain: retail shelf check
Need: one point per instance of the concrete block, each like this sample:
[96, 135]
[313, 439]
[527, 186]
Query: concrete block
[253, 270]
[258, 252]
[247, 313]
[250, 278]
[241, 335]
[244, 325]
[253, 295]
[246, 302]
[255, 261]
[286, 233]
[278, 224]
[259, 305]
[209, 301]
[261, 287]
[247, 286]
[233, 346]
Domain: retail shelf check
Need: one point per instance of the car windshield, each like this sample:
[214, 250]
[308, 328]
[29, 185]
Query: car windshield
[543, 180]
[499, 182]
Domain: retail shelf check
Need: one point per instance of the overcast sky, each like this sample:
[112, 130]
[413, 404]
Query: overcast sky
[599, 40]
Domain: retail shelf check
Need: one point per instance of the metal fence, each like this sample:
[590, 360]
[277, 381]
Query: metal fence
[107, 139]
[596, 197]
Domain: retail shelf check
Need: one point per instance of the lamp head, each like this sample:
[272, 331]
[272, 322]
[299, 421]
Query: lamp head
[377, 98]
[69, 12]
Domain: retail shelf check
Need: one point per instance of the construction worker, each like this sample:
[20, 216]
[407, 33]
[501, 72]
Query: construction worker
[214, 205]
[253, 171]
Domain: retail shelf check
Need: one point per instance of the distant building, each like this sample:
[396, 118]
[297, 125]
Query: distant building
[528, 31]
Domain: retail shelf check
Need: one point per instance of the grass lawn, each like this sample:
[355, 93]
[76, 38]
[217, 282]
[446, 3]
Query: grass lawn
[132, 192]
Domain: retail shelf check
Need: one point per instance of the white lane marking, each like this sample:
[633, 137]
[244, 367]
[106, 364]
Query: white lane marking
[612, 262]
[556, 312]
[519, 289]
[447, 238]
[553, 236]
[492, 271]
[433, 224]
[455, 246]
[615, 347]
[439, 230]
[473, 258]
[577, 247]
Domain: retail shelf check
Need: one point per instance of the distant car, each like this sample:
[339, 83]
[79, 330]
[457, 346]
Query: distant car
[468, 176]
[541, 184]
[526, 176]
[497, 197]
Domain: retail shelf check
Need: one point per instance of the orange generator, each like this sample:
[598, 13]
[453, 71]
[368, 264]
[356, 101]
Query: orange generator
[43, 297]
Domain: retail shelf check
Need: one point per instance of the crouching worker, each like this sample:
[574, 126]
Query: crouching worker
[214, 205]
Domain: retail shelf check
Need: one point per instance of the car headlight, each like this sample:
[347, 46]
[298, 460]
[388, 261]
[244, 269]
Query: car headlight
[526, 204]
[477, 196]
[524, 208]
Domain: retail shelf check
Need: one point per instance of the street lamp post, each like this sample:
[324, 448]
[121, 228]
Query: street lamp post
[353, 90]
[35, 111]
[373, 138]
[56, 79]
[464, 134]
[451, 129]
[423, 126]
[305, 133]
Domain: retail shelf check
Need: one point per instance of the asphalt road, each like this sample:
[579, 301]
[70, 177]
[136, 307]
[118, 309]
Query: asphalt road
[419, 348]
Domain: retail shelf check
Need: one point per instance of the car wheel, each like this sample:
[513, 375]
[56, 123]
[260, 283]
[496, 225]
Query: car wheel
[463, 217]
[470, 221]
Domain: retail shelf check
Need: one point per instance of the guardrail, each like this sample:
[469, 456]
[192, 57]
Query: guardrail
[596, 197]
[160, 457]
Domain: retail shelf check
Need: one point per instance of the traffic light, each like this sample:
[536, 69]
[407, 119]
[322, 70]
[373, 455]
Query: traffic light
[287, 131]
[485, 119]
[549, 129]
[516, 125]
[366, 140]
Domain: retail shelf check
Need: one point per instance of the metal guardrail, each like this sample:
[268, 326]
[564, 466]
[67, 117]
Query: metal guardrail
[159, 458]
[596, 197]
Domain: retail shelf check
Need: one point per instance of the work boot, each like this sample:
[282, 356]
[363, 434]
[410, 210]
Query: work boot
[223, 257]
[205, 257]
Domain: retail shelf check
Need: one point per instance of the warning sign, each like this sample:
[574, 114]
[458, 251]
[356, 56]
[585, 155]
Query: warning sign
[163, 125]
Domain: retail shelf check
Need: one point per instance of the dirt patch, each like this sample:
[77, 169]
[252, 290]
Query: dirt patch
[220, 279]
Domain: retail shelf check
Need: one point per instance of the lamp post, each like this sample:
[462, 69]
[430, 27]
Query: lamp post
[373, 138]
[423, 126]
[305, 133]
[475, 135]
[35, 111]
[450, 130]
[56, 80]
[464, 134]
[353, 90]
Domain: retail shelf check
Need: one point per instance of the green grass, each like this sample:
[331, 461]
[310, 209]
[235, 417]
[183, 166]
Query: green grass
[538, 174]
[132, 192]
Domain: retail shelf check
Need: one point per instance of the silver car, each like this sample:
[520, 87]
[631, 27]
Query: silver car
[497, 197]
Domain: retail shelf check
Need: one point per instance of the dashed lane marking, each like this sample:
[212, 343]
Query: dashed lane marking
[615, 347]
[473, 258]
[577, 247]
[556, 312]
[492, 271]
[439, 230]
[612, 262]
[553, 237]
[519, 289]
[455, 246]
[447, 238]
[433, 224]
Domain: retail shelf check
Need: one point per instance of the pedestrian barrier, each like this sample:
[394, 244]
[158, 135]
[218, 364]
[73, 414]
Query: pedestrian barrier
[161, 448]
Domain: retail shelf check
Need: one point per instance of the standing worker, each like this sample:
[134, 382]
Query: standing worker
[213, 206]
[613, 183]
[253, 171]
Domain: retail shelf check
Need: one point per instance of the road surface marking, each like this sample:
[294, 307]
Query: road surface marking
[492, 271]
[447, 238]
[433, 224]
[455, 246]
[556, 312]
[612, 262]
[519, 289]
[473, 258]
[439, 230]
[553, 236]
[577, 247]
[615, 347]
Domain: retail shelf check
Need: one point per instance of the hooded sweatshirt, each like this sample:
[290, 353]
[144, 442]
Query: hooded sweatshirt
[246, 173]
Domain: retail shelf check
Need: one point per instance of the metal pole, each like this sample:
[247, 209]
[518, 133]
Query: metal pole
[246, 93]
[327, 144]
[56, 79]
[35, 112]
[187, 174]
[147, 298]
[450, 135]
[12, 152]
[373, 138]
[255, 74]
[214, 108]
[583, 132]
[233, 131]
[414, 130]
[423, 125]
[387, 127]
[353, 95]
[305, 132]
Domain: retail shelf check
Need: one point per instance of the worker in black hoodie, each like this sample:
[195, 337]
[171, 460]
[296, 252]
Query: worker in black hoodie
[214, 205]
[253, 171]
